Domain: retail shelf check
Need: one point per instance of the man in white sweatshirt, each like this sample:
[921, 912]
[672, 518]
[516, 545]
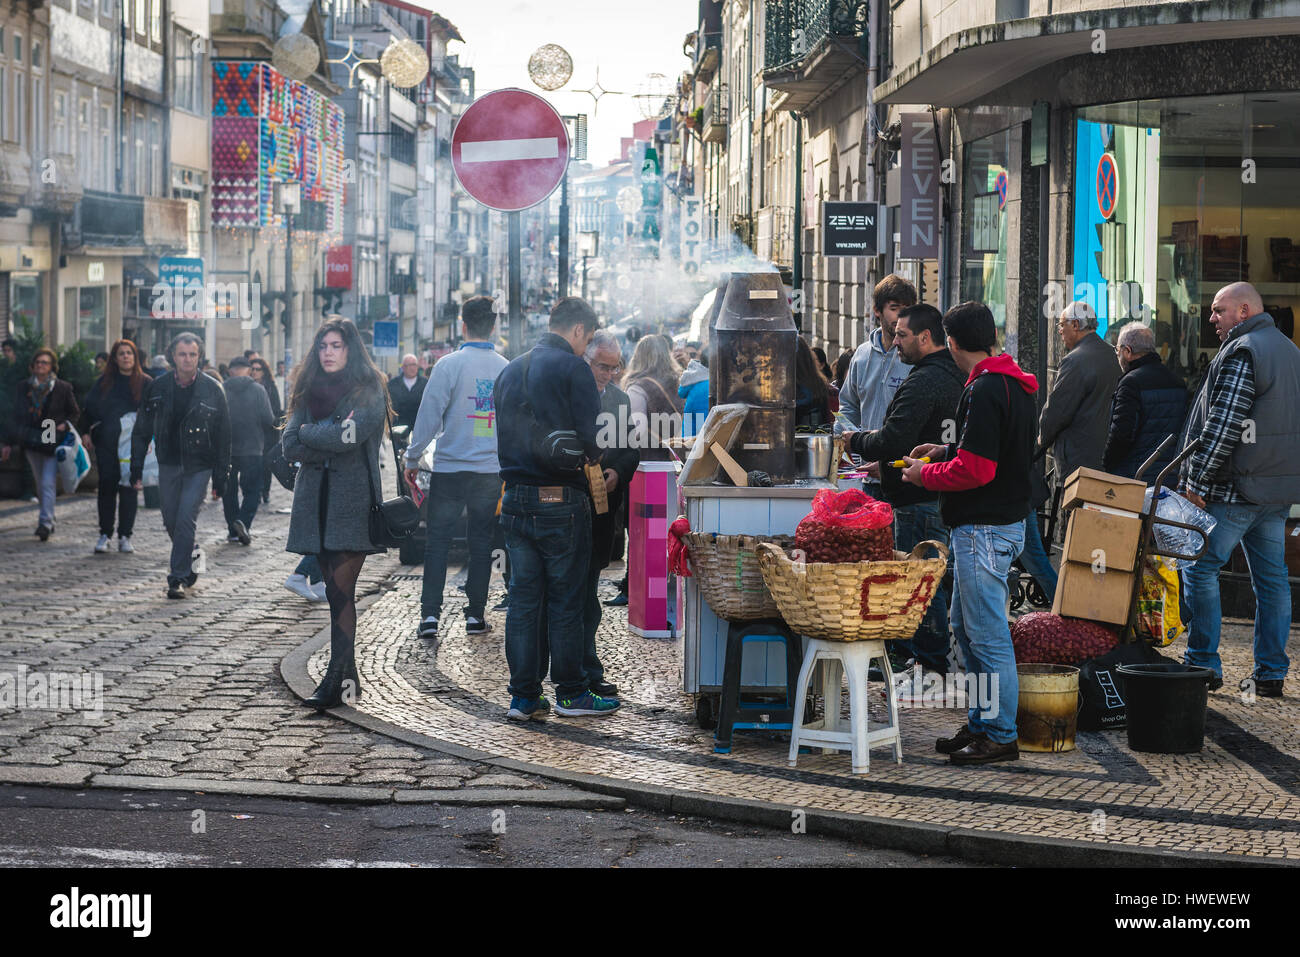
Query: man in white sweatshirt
[457, 410]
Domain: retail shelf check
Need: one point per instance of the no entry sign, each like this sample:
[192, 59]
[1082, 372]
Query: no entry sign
[510, 149]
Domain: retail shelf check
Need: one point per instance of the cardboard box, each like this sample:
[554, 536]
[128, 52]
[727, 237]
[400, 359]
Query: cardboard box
[1081, 593]
[1101, 488]
[1115, 535]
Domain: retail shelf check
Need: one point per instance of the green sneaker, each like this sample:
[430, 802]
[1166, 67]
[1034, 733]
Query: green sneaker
[586, 705]
[528, 709]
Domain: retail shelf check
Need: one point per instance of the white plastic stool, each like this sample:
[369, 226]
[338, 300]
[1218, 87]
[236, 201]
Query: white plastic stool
[853, 658]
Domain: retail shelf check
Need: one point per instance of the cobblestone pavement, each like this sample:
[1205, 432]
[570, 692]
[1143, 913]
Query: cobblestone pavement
[192, 688]
[1239, 796]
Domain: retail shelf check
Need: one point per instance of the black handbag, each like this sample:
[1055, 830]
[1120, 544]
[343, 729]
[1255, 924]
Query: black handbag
[285, 472]
[391, 522]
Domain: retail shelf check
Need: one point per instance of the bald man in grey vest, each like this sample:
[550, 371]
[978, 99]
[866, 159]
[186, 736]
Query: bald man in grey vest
[1247, 475]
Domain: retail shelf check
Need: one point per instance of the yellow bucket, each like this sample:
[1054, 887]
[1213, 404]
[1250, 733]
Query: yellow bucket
[1048, 707]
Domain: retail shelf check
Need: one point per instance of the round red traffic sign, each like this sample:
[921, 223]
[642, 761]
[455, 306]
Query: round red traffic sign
[1107, 185]
[510, 149]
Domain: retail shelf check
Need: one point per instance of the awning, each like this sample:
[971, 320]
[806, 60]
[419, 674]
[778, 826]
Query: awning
[968, 65]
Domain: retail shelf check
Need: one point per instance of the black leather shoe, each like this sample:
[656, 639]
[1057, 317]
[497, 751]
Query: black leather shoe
[339, 686]
[617, 600]
[43, 532]
[175, 590]
[958, 741]
[1267, 687]
[1216, 683]
[241, 532]
[603, 688]
[983, 751]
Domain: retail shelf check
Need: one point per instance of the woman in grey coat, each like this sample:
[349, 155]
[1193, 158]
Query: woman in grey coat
[337, 413]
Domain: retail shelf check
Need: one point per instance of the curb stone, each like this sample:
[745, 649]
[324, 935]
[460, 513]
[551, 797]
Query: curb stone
[984, 847]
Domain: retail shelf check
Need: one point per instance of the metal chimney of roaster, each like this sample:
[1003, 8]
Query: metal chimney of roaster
[719, 295]
[755, 362]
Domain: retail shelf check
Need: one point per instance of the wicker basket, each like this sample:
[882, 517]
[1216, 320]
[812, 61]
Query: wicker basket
[825, 599]
[727, 573]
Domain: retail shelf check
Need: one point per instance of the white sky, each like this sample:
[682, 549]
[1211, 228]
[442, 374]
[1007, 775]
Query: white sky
[628, 40]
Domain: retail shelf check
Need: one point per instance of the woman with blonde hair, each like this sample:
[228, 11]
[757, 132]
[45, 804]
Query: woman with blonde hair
[651, 384]
[337, 412]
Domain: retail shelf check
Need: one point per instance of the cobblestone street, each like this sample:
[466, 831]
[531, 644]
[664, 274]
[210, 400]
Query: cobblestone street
[192, 688]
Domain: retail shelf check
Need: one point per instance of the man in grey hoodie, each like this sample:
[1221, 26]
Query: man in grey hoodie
[457, 410]
[251, 422]
[876, 370]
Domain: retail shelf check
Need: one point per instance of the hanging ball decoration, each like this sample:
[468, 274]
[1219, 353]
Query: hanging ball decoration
[629, 200]
[404, 63]
[656, 97]
[550, 66]
[296, 56]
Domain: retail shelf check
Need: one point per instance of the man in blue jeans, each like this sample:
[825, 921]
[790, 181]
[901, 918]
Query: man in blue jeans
[456, 410]
[1246, 474]
[547, 406]
[983, 485]
[923, 410]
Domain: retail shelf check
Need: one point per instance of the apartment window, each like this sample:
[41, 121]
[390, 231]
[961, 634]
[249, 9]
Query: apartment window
[188, 93]
[2, 41]
[402, 145]
[400, 214]
[106, 159]
[140, 175]
[155, 21]
[155, 158]
[140, 25]
[18, 48]
[38, 58]
[84, 158]
[61, 122]
[20, 107]
[105, 8]
[4, 104]
[38, 114]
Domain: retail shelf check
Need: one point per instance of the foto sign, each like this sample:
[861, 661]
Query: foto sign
[919, 189]
[510, 150]
[851, 229]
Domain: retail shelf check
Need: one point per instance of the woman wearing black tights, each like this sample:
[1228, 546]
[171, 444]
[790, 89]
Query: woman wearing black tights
[337, 413]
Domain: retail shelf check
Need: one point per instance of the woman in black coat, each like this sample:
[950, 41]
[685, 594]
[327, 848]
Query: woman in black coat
[262, 375]
[117, 392]
[45, 409]
[337, 412]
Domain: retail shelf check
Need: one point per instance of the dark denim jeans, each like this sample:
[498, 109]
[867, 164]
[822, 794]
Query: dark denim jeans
[549, 544]
[592, 666]
[449, 493]
[246, 479]
[914, 524]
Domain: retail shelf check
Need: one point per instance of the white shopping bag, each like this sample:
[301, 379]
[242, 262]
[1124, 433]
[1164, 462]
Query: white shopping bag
[73, 463]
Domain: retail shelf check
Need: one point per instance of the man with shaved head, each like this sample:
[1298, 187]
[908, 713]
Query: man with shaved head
[1150, 405]
[1246, 473]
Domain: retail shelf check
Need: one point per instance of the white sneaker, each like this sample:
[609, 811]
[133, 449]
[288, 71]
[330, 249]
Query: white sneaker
[101, 546]
[318, 590]
[124, 544]
[298, 585]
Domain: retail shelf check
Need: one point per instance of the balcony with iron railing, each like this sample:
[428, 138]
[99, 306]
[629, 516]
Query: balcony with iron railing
[811, 47]
[707, 55]
[717, 115]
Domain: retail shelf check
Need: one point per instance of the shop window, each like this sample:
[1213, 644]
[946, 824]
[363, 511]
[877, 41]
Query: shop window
[92, 317]
[1207, 193]
[25, 301]
[986, 176]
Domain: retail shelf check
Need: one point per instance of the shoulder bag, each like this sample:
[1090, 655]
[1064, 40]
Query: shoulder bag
[391, 522]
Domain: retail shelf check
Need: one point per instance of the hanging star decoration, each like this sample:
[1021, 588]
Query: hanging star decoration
[597, 91]
[352, 61]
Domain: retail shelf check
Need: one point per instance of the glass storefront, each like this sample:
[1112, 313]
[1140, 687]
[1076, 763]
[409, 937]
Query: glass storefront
[984, 232]
[92, 317]
[25, 300]
[1176, 198]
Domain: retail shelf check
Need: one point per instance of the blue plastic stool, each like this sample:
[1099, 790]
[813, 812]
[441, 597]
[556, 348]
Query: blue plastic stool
[757, 717]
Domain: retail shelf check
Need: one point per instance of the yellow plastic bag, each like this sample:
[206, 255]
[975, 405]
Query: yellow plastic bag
[1158, 618]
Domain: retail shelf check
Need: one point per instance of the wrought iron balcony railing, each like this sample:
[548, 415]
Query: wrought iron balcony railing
[796, 28]
[717, 115]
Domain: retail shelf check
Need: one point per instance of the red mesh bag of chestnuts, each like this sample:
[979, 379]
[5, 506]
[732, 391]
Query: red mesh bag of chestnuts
[847, 526]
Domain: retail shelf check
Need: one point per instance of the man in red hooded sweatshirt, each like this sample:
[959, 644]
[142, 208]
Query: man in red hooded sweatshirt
[983, 485]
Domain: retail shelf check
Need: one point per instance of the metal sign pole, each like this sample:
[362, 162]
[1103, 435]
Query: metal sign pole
[563, 286]
[516, 307]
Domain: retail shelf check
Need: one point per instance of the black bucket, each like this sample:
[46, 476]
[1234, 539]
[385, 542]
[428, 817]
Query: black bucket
[1166, 707]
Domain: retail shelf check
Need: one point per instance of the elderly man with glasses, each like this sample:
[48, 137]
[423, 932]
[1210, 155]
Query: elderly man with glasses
[1076, 418]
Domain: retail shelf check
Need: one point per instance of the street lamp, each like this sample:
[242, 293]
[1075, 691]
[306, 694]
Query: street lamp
[288, 199]
[588, 246]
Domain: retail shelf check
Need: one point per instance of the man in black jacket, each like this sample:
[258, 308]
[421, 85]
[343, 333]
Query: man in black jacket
[984, 490]
[251, 424]
[1150, 405]
[186, 417]
[923, 410]
[405, 389]
[546, 511]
